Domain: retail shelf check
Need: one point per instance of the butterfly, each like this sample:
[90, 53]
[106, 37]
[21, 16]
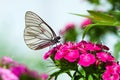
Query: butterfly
[37, 33]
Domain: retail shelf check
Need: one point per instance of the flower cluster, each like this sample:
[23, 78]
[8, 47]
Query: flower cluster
[12, 70]
[112, 71]
[87, 54]
[82, 52]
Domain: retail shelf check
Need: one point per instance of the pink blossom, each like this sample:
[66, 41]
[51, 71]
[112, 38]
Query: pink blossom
[69, 45]
[70, 26]
[86, 59]
[68, 49]
[19, 69]
[103, 46]
[107, 75]
[92, 47]
[44, 76]
[72, 55]
[88, 46]
[34, 74]
[113, 67]
[86, 22]
[59, 55]
[6, 74]
[67, 28]
[50, 52]
[47, 54]
[112, 71]
[104, 56]
[6, 60]
[118, 69]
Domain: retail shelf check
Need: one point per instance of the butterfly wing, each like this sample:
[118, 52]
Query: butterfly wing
[37, 33]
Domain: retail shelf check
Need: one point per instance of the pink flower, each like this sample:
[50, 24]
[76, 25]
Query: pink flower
[69, 45]
[92, 47]
[47, 54]
[61, 52]
[72, 55]
[6, 60]
[6, 74]
[118, 69]
[70, 26]
[34, 74]
[67, 28]
[112, 71]
[86, 59]
[113, 67]
[104, 56]
[107, 75]
[19, 69]
[86, 22]
[67, 51]
[103, 46]
[88, 46]
[44, 76]
[59, 55]
[50, 52]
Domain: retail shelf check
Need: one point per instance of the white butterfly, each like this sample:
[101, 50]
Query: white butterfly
[38, 34]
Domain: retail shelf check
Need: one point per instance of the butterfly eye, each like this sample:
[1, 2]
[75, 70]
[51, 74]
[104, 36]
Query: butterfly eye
[38, 34]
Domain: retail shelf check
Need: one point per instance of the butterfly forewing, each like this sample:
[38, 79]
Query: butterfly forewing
[37, 33]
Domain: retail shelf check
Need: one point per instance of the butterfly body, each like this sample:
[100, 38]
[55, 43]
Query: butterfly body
[38, 34]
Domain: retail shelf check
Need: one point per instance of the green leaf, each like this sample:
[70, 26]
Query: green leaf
[87, 29]
[117, 50]
[90, 77]
[77, 77]
[57, 73]
[81, 79]
[101, 24]
[101, 16]
[94, 1]
[81, 15]
[116, 14]
[107, 23]
[98, 16]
